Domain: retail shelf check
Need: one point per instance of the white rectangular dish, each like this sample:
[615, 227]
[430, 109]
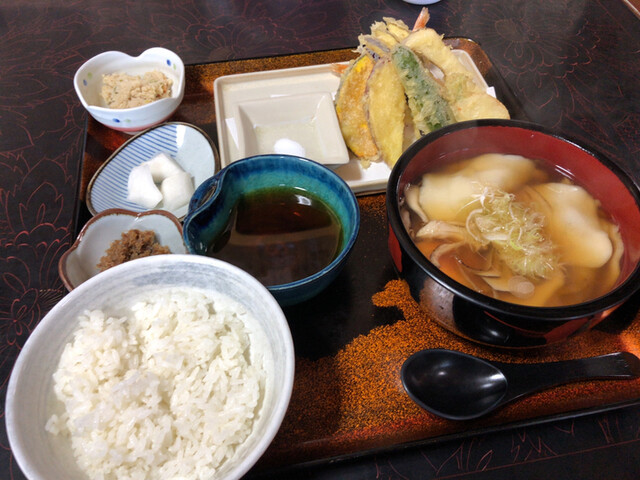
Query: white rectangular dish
[231, 92]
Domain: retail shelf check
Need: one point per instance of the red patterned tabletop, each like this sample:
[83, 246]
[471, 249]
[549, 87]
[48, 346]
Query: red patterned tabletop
[573, 65]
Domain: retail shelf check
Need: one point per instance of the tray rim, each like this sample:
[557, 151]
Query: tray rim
[257, 472]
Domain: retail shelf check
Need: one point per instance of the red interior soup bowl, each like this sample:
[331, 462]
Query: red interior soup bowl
[510, 235]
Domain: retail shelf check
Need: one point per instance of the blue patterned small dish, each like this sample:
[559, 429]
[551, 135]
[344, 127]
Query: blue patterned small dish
[88, 85]
[188, 145]
[214, 201]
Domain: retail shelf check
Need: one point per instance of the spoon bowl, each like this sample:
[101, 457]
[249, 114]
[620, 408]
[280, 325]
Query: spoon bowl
[458, 386]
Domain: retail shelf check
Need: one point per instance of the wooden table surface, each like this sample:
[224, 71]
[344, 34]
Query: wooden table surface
[574, 65]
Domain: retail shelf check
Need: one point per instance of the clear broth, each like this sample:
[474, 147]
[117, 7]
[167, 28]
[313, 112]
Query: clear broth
[279, 235]
[462, 262]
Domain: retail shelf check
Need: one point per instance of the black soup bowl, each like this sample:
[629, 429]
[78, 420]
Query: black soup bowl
[483, 318]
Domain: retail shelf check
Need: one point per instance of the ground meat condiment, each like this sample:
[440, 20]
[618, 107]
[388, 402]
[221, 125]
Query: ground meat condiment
[120, 90]
[132, 244]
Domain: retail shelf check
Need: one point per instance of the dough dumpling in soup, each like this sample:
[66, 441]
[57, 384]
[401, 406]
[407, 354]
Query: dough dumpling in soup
[451, 196]
[573, 224]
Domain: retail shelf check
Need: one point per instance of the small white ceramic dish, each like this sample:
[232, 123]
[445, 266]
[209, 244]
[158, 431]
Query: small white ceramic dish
[44, 457]
[187, 144]
[232, 91]
[304, 125]
[88, 84]
[79, 263]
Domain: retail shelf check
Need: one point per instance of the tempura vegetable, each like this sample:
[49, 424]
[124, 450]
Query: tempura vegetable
[428, 44]
[468, 100]
[429, 108]
[388, 33]
[386, 111]
[437, 90]
[351, 112]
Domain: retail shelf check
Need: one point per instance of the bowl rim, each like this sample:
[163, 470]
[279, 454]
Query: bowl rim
[613, 298]
[12, 404]
[353, 204]
[134, 138]
[62, 263]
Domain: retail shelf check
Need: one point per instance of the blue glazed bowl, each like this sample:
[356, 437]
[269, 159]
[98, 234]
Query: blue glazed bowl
[213, 202]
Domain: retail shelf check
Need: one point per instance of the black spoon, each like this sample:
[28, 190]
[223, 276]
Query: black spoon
[458, 386]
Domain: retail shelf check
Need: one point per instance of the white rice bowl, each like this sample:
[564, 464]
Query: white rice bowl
[191, 383]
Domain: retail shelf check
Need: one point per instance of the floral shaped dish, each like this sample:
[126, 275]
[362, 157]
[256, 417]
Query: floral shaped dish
[88, 84]
[79, 263]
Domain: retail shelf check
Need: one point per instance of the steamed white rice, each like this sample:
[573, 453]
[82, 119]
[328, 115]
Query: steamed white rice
[168, 392]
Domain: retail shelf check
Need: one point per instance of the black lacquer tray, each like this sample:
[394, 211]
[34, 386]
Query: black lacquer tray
[352, 339]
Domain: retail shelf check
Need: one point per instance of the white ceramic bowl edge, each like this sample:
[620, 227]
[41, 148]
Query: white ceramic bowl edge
[30, 384]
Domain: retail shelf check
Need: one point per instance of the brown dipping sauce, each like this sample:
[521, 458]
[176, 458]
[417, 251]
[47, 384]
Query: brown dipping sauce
[279, 235]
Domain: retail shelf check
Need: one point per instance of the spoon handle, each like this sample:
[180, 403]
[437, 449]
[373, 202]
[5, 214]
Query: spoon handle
[538, 376]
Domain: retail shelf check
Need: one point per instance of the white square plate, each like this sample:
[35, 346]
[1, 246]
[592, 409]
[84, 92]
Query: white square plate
[305, 125]
[230, 91]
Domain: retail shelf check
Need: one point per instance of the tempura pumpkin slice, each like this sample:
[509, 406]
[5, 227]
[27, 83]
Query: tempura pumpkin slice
[350, 109]
[385, 106]
[429, 107]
